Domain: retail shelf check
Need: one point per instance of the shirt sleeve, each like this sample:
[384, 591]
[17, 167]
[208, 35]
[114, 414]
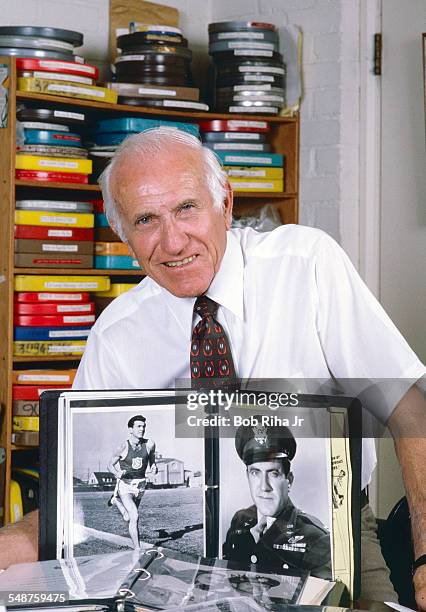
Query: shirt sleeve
[358, 338]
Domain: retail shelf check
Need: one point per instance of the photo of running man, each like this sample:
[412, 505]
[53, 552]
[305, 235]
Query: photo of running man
[129, 464]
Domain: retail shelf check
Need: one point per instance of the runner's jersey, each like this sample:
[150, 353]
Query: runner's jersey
[135, 462]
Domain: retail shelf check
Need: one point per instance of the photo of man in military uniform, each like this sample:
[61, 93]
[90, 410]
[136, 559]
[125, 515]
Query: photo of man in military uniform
[273, 533]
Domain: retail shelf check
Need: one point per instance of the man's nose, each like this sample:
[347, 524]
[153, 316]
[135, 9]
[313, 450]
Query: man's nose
[264, 483]
[173, 238]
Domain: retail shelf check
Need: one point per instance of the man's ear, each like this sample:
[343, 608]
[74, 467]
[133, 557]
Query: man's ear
[290, 478]
[228, 205]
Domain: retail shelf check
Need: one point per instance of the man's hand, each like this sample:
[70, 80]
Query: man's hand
[19, 541]
[420, 587]
[154, 469]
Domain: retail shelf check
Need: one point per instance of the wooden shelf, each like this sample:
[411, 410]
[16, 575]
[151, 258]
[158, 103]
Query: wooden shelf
[283, 136]
[33, 358]
[78, 272]
[281, 195]
[47, 185]
[16, 447]
[144, 110]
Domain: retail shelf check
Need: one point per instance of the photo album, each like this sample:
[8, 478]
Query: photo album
[171, 498]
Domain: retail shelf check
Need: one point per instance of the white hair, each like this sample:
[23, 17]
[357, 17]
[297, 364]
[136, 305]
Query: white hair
[153, 142]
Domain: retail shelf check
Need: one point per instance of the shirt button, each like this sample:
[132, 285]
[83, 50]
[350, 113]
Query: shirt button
[253, 559]
[285, 566]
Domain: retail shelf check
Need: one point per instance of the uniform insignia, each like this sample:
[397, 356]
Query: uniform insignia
[295, 539]
[296, 547]
[137, 463]
[260, 434]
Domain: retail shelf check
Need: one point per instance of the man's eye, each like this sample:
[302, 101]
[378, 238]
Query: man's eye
[186, 206]
[143, 220]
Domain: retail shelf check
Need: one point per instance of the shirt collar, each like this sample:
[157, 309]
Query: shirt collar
[226, 288]
[228, 285]
[270, 520]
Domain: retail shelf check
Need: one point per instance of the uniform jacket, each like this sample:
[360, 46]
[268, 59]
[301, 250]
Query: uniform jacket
[294, 541]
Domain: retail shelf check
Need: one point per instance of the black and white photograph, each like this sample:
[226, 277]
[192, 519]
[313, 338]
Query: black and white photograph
[278, 509]
[182, 582]
[133, 482]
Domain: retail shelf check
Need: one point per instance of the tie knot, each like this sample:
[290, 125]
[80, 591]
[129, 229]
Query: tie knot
[205, 307]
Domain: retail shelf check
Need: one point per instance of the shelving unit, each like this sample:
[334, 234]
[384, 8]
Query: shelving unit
[68, 187]
[79, 271]
[284, 137]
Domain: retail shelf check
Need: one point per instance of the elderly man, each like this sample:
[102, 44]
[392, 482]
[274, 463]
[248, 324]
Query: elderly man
[282, 304]
[273, 533]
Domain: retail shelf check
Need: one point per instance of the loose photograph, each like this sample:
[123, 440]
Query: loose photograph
[179, 582]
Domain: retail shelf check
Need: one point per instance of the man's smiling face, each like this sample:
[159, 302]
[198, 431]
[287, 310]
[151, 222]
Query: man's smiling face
[168, 217]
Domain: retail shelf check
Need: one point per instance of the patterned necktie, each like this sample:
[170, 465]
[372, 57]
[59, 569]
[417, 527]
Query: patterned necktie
[211, 357]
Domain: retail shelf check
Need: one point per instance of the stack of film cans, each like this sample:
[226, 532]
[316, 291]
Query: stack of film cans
[110, 252]
[28, 384]
[108, 134]
[53, 314]
[40, 42]
[46, 63]
[241, 146]
[53, 234]
[154, 69]
[104, 298]
[248, 69]
[52, 150]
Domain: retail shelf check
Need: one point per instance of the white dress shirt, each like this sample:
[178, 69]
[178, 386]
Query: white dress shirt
[291, 303]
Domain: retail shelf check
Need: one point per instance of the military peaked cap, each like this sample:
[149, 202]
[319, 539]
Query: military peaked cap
[264, 443]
